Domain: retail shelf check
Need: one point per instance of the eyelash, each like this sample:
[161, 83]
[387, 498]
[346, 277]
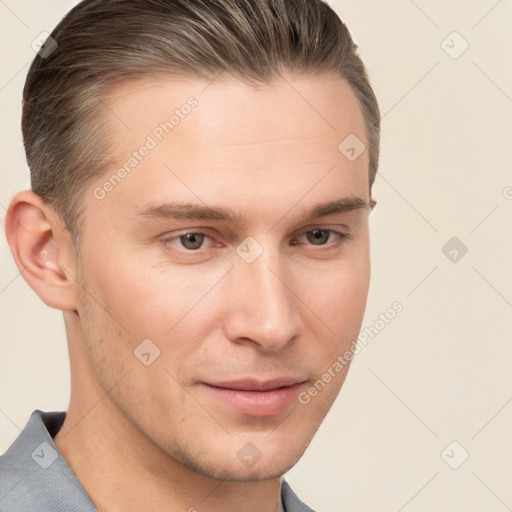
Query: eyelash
[340, 238]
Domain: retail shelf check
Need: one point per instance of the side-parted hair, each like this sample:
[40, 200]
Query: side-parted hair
[103, 43]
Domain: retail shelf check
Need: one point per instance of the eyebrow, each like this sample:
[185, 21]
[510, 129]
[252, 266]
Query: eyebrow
[184, 210]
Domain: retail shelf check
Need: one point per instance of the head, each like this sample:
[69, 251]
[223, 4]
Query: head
[201, 185]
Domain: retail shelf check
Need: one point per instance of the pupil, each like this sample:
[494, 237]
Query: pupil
[318, 235]
[192, 240]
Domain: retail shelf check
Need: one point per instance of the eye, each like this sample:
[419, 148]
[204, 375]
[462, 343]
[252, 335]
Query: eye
[322, 236]
[191, 241]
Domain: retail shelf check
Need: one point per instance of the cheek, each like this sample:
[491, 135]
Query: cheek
[338, 294]
[158, 301]
[337, 303]
[154, 301]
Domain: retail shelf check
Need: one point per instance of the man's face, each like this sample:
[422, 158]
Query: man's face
[231, 308]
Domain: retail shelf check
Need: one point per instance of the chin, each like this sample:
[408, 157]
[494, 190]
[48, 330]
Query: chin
[236, 472]
[247, 464]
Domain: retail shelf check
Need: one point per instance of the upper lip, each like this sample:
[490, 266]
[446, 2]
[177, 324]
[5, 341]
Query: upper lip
[257, 384]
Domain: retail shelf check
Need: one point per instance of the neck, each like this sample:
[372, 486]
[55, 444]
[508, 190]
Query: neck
[121, 469]
[122, 472]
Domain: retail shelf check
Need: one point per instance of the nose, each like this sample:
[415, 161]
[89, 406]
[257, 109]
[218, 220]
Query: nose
[262, 308]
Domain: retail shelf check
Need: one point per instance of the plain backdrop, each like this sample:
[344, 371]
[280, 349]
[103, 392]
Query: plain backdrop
[433, 386]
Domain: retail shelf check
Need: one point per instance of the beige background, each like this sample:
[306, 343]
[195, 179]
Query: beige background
[440, 371]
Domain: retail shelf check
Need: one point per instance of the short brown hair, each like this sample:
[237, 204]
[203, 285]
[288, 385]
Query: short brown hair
[104, 42]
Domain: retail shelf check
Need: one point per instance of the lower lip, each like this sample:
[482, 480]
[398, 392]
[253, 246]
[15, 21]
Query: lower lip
[256, 403]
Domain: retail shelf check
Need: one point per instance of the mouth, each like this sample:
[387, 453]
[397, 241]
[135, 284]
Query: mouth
[252, 397]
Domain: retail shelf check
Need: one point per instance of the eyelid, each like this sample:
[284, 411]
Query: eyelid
[340, 236]
[326, 227]
[175, 235]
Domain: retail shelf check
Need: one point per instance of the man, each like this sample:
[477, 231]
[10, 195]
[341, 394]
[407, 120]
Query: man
[201, 184]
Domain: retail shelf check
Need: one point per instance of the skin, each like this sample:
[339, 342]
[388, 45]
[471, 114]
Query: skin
[138, 436]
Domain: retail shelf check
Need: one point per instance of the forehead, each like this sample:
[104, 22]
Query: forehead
[224, 140]
[324, 104]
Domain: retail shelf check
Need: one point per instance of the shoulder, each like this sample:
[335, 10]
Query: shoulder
[291, 501]
[33, 474]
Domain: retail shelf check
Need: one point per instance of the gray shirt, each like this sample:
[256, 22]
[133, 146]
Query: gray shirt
[34, 477]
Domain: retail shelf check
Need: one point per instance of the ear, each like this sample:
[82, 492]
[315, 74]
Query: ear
[43, 250]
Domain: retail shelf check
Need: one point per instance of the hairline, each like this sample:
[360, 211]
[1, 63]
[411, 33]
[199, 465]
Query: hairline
[109, 88]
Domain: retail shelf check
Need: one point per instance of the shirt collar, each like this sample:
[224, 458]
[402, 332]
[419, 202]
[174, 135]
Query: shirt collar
[35, 476]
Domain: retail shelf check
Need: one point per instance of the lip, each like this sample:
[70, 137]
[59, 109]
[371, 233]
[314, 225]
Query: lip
[253, 397]
[256, 384]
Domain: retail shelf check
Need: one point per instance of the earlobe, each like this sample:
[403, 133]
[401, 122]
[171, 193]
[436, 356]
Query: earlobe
[42, 249]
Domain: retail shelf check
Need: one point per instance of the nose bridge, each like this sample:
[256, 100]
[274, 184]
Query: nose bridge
[264, 306]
